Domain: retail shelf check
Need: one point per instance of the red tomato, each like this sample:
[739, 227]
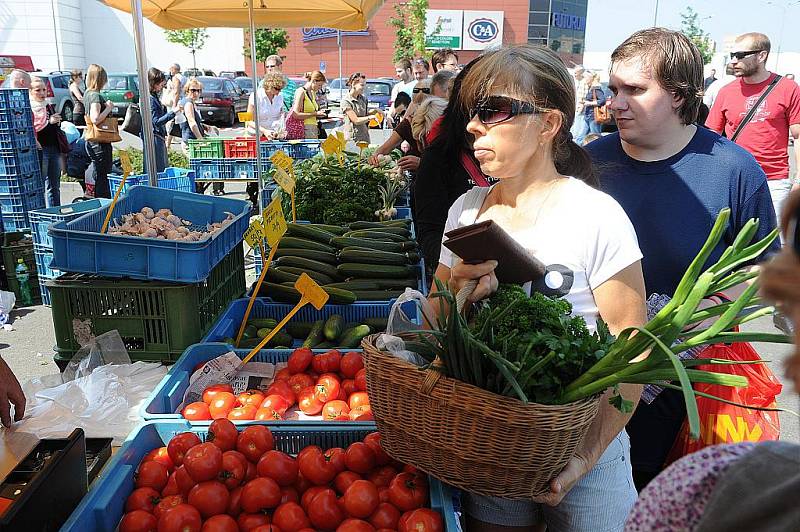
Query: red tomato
[324, 511]
[181, 518]
[251, 472]
[251, 397]
[361, 413]
[282, 374]
[222, 433]
[278, 466]
[407, 492]
[316, 468]
[349, 387]
[221, 404]
[249, 522]
[358, 399]
[177, 446]
[212, 391]
[327, 362]
[350, 364]
[289, 494]
[334, 410]
[166, 503]
[284, 389]
[172, 486]
[355, 525]
[422, 520]
[138, 521]
[260, 494]
[210, 498]
[383, 494]
[183, 480]
[151, 474]
[203, 462]
[328, 387]
[361, 498]
[235, 502]
[197, 411]
[359, 458]
[254, 441]
[243, 413]
[290, 517]
[142, 499]
[267, 414]
[300, 382]
[302, 483]
[276, 402]
[361, 380]
[267, 528]
[234, 468]
[344, 479]
[382, 476]
[220, 523]
[160, 455]
[309, 402]
[385, 516]
[299, 360]
[308, 497]
[335, 455]
[373, 439]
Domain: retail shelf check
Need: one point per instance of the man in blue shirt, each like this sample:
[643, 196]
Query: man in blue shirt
[672, 178]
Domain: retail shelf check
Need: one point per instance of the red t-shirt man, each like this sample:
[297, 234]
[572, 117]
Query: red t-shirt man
[766, 136]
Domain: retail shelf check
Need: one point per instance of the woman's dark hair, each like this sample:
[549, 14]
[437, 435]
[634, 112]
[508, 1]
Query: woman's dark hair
[402, 98]
[453, 137]
[355, 77]
[533, 74]
[154, 77]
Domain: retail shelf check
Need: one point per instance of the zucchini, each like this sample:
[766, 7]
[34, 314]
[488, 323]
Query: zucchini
[395, 247]
[311, 233]
[340, 296]
[320, 278]
[377, 324]
[321, 256]
[299, 329]
[315, 334]
[250, 332]
[375, 257]
[280, 276]
[356, 284]
[377, 295]
[288, 294]
[376, 235]
[308, 264]
[333, 327]
[396, 284]
[354, 226]
[304, 243]
[249, 343]
[351, 269]
[263, 322]
[324, 345]
[335, 229]
[400, 231]
[351, 338]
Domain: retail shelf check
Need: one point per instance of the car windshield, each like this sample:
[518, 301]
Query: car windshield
[117, 83]
[378, 89]
[245, 83]
[212, 85]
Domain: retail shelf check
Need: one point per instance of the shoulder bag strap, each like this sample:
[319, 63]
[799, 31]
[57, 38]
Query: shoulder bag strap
[473, 170]
[753, 110]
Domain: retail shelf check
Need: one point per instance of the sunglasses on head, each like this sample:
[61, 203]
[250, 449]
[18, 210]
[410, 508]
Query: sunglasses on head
[742, 55]
[195, 90]
[417, 90]
[496, 109]
[272, 66]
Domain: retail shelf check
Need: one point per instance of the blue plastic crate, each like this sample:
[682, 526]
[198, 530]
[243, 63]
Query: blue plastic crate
[42, 219]
[79, 247]
[102, 508]
[14, 99]
[12, 138]
[170, 179]
[268, 149]
[210, 169]
[19, 161]
[228, 324]
[15, 208]
[44, 292]
[168, 394]
[44, 258]
[243, 168]
[303, 149]
[21, 184]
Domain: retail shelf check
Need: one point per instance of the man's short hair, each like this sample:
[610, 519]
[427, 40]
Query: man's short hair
[424, 62]
[22, 76]
[176, 66]
[760, 41]
[440, 57]
[276, 58]
[405, 64]
[444, 80]
[402, 98]
[676, 62]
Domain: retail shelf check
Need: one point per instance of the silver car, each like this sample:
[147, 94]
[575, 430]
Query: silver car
[57, 85]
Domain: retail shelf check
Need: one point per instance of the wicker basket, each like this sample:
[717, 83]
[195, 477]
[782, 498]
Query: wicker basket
[468, 437]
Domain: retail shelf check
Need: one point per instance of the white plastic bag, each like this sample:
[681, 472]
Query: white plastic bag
[399, 323]
[7, 300]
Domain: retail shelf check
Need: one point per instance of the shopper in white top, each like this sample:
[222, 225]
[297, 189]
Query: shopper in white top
[271, 110]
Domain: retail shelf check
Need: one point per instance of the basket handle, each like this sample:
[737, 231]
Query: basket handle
[432, 376]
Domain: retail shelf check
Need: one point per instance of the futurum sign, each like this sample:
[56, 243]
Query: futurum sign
[569, 22]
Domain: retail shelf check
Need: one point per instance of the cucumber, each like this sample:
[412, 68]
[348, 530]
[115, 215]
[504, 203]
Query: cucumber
[375, 257]
[351, 338]
[396, 284]
[280, 338]
[335, 229]
[288, 294]
[356, 284]
[400, 231]
[308, 264]
[250, 332]
[376, 235]
[229, 340]
[299, 329]
[377, 324]
[263, 322]
[320, 278]
[340, 296]
[321, 256]
[324, 345]
[264, 331]
[395, 247]
[377, 295]
[333, 327]
[304, 243]
[311, 233]
[351, 269]
[315, 334]
[280, 276]
[249, 343]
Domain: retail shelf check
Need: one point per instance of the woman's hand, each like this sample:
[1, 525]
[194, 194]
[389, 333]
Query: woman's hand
[55, 118]
[461, 274]
[409, 162]
[321, 114]
[374, 160]
[109, 104]
[575, 469]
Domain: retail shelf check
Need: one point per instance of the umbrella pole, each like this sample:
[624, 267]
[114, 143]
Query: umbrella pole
[341, 74]
[253, 64]
[148, 146]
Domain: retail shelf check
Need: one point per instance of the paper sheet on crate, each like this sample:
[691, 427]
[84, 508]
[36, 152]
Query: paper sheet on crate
[227, 369]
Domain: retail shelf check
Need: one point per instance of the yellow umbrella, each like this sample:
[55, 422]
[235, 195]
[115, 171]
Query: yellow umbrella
[181, 14]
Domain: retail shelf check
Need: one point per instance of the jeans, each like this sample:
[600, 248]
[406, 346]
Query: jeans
[779, 190]
[577, 125]
[162, 160]
[586, 126]
[51, 162]
[100, 153]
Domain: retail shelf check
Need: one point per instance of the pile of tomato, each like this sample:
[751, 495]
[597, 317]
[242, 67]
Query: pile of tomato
[237, 482]
[329, 384]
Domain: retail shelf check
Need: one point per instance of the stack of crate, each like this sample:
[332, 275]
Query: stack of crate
[21, 185]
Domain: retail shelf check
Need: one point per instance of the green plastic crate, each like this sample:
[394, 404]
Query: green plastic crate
[206, 149]
[18, 245]
[33, 283]
[157, 320]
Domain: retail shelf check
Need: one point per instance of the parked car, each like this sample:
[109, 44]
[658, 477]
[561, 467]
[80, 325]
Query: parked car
[122, 89]
[378, 91]
[336, 90]
[221, 100]
[197, 72]
[245, 83]
[233, 74]
[57, 85]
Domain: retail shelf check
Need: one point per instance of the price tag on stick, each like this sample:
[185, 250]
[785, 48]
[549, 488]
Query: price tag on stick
[254, 235]
[125, 161]
[283, 161]
[274, 222]
[286, 182]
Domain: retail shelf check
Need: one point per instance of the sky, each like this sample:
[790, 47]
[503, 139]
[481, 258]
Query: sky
[609, 22]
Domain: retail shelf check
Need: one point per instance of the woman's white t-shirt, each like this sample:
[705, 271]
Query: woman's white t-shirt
[582, 235]
[269, 113]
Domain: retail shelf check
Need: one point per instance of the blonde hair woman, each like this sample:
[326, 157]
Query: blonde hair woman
[422, 122]
[271, 113]
[193, 127]
[305, 104]
[593, 99]
[98, 108]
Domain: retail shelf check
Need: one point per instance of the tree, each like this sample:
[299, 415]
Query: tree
[268, 42]
[193, 39]
[701, 39]
[409, 24]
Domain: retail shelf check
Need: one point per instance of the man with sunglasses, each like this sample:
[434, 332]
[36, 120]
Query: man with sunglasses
[766, 134]
[420, 68]
[273, 65]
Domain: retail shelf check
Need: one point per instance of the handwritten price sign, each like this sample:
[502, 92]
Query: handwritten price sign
[254, 234]
[283, 161]
[284, 180]
[274, 222]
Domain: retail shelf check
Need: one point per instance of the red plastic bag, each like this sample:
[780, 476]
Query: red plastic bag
[724, 423]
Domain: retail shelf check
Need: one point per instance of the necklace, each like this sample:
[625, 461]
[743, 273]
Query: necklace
[551, 188]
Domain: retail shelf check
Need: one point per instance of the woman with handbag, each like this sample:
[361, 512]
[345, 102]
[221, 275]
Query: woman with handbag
[356, 109]
[193, 127]
[101, 129]
[161, 116]
[594, 99]
[305, 105]
[76, 94]
[46, 123]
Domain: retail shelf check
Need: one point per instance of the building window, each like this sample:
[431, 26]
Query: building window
[542, 42]
[537, 32]
[577, 47]
[539, 18]
[539, 5]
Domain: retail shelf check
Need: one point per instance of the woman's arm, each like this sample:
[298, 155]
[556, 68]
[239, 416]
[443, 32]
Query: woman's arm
[386, 148]
[188, 110]
[98, 113]
[163, 119]
[354, 118]
[76, 91]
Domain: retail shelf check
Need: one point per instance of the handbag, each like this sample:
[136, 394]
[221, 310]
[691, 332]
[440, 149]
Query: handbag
[133, 120]
[755, 107]
[63, 142]
[295, 130]
[601, 113]
[105, 132]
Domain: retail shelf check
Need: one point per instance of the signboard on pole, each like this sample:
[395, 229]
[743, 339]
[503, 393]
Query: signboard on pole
[449, 24]
[482, 30]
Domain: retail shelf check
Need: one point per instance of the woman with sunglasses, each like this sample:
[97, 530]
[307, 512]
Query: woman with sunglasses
[521, 103]
[356, 109]
[193, 127]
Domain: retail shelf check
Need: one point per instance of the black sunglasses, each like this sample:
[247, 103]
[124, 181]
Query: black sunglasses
[417, 90]
[742, 55]
[195, 90]
[496, 109]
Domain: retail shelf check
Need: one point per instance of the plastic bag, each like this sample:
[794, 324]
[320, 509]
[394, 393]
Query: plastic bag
[7, 300]
[108, 348]
[725, 423]
[399, 322]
